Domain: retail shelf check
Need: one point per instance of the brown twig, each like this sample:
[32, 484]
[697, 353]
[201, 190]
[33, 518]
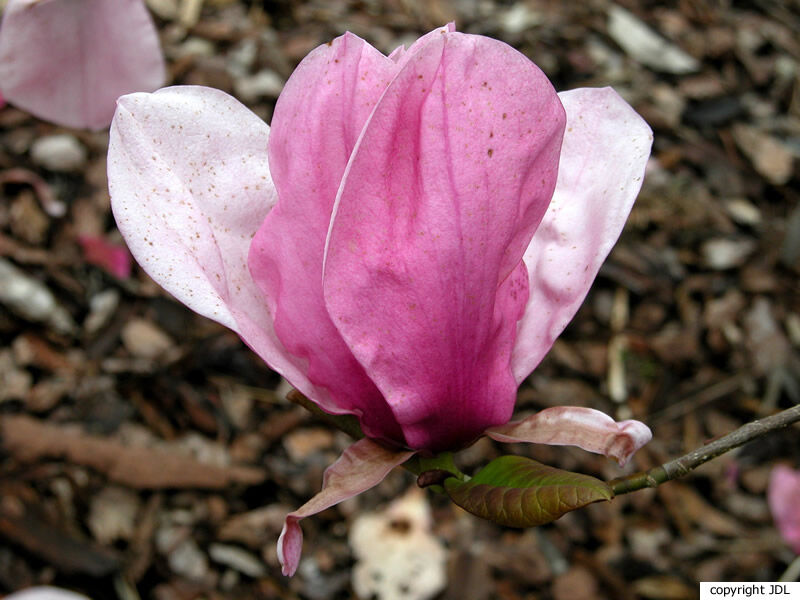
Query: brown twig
[688, 462]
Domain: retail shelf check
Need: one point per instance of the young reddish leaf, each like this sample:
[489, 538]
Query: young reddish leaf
[519, 492]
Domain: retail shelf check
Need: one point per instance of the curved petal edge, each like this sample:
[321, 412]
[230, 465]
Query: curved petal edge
[315, 126]
[190, 185]
[362, 466]
[585, 428]
[603, 158]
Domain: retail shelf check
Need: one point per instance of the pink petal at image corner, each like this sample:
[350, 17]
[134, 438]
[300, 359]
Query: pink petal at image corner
[783, 497]
[68, 61]
[361, 466]
[585, 428]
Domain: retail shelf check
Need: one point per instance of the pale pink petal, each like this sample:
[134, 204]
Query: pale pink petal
[397, 53]
[68, 61]
[783, 496]
[317, 121]
[449, 180]
[401, 55]
[585, 428]
[605, 150]
[362, 466]
[189, 183]
[45, 593]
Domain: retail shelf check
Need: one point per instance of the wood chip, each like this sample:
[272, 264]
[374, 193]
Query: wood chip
[29, 439]
[59, 548]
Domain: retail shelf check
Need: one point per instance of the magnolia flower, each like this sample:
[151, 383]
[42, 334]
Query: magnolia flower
[404, 245]
[782, 495]
[67, 61]
[45, 593]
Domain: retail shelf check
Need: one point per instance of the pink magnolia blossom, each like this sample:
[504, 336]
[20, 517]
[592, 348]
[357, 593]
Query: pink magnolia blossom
[403, 245]
[67, 61]
[783, 494]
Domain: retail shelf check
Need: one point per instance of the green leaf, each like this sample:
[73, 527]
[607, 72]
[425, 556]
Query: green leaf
[520, 492]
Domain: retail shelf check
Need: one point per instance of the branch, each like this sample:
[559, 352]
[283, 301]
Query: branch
[688, 462]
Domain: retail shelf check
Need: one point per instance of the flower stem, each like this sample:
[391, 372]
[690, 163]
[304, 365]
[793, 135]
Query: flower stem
[688, 462]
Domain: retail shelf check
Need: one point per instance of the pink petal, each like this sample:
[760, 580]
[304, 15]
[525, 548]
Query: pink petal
[114, 258]
[783, 494]
[317, 121]
[605, 150]
[449, 180]
[362, 466]
[45, 593]
[397, 54]
[400, 55]
[189, 183]
[585, 428]
[68, 61]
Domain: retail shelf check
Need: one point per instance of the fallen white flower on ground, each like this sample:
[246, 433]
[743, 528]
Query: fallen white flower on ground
[398, 558]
